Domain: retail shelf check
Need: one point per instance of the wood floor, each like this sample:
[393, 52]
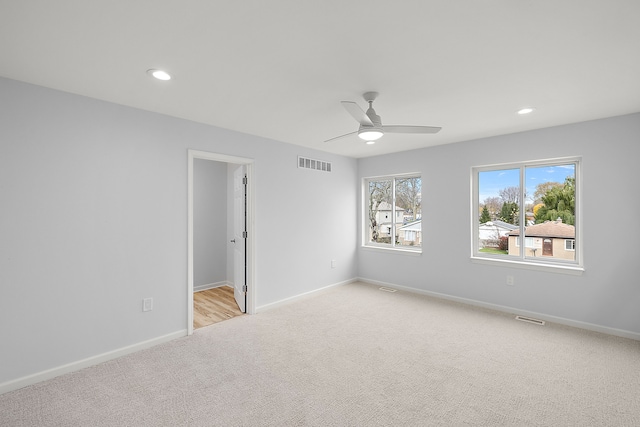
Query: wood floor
[214, 305]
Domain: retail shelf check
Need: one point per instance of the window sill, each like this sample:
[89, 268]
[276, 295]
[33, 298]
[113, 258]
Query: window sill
[574, 270]
[396, 250]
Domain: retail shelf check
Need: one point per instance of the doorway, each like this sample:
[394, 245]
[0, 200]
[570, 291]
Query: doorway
[239, 229]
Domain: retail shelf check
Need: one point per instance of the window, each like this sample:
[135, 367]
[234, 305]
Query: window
[393, 212]
[529, 242]
[536, 200]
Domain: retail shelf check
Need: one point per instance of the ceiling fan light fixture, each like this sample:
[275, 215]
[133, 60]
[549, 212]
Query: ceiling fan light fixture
[370, 134]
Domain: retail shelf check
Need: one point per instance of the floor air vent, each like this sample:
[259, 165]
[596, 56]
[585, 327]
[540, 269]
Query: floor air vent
[388, 289]
[319, 165]
[530, 320]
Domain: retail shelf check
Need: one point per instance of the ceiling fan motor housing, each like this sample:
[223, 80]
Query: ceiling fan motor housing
[375, 119]
[369, 132]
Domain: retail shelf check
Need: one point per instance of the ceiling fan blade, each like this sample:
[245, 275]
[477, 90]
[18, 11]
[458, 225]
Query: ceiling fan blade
[341, 136]
[357, 113]
[410, 129]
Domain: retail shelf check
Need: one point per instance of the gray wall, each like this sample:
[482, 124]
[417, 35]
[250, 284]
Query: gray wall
[209, 222]
[606, 295]
[93, 218]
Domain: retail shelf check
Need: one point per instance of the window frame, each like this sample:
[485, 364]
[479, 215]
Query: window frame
[522, 260]
[366, 244]
[573, 245]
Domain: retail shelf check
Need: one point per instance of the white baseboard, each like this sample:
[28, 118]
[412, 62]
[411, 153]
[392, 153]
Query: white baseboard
[85, 363]
[301, 296]
[505, 309]
[211, 286]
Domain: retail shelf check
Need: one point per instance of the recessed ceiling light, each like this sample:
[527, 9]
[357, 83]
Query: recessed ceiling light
[159, 74]
[526, 110]
[370, 142]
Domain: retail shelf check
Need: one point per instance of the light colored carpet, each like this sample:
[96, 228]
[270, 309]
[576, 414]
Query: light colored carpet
[353, 356]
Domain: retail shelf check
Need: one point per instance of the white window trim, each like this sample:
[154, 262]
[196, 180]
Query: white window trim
[383, 247]
[521, 261]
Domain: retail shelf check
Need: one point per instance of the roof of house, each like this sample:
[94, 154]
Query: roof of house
[384, 206]
[414, 225]
[499, 224]
[548, 229]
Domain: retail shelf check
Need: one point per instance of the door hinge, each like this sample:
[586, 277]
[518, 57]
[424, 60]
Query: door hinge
[245, 235]
[244, 288]
[245, 181]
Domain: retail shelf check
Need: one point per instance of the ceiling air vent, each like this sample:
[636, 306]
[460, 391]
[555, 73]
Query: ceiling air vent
[319, 165]
[530, 320]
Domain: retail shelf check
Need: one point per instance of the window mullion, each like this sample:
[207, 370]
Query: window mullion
[522, 214]
[393, 213]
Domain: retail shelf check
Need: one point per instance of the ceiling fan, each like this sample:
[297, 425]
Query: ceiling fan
[371, 127]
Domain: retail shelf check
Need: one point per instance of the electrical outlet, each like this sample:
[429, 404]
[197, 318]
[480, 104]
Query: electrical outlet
[510, 281]
[333, 263]
[147, 304]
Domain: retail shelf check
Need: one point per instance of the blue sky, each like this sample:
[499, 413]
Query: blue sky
[491, 182]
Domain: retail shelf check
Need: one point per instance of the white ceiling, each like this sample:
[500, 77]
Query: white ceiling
[280, 68]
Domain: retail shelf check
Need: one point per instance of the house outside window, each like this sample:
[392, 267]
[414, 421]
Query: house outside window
[537, 201]
[393, 212]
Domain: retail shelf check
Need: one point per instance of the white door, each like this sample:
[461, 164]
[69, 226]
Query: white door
[239, 239]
